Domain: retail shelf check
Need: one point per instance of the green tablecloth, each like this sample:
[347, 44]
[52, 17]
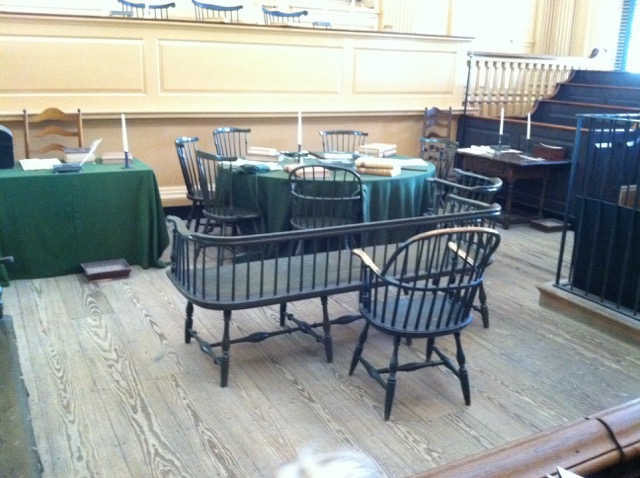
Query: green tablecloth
[51, 223]
[394, 197]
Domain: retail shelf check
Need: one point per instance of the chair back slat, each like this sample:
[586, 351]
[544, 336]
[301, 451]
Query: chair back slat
[132, 8]
[323, 196]
[465, 184]
[186, 147]
[344, 141]
[213, 193]
[276, 16]
[437, 123]
[161, 11]
[441, 152]
[216, 182]
[218, 13]
[231, 142]
[42, 131]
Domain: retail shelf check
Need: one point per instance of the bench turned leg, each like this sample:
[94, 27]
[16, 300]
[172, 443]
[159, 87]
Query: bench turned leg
[223, 360]
[188, 323]
[283, 314]
[326, 326]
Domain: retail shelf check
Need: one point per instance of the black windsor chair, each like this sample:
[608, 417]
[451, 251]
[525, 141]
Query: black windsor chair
[186, 147]
[132, 9]
[273, 17]
[344, 141]
[161, 11]
[472, 186]
[216, 183]
[231, 142]
[216, 13]
[425, 290]
[325, 196]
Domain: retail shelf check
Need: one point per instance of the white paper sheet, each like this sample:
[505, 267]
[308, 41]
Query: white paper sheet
[34, 164]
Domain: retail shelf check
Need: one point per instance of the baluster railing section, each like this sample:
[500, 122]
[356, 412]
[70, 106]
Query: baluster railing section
[515, 82]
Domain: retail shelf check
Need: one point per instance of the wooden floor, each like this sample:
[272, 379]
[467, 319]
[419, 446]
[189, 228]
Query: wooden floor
[115, 392]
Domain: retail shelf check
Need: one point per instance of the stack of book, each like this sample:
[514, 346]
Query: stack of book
[115, 157]
[379, 150]
[76, 155]
[377, 166]
[259, 153]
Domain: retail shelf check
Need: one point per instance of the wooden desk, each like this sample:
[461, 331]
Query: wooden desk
[51, 223]
[510, 167]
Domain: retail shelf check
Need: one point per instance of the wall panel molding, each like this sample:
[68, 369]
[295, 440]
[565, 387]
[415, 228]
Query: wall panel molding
[142, 66]
[182, 78]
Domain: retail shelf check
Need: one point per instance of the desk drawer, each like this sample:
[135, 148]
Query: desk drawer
[484, 166]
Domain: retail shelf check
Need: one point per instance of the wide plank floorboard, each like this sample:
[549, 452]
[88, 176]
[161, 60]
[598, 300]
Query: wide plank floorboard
[115, 391]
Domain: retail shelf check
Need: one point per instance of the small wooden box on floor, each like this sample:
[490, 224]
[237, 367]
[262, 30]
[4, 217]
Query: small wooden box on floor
[111, 269]
[547, 224]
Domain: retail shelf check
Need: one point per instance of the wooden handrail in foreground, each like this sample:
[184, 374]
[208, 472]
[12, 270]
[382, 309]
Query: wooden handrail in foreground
[585, 447]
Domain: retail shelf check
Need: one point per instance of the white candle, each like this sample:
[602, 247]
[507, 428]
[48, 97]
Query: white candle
[125, 141]
[299, 128]
[528, 126]
[501, 121]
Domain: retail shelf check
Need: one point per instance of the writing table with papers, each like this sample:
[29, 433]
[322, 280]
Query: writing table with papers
[511, 167]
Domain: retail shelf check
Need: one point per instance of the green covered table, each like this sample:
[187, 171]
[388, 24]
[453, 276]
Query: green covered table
[51, 223]
[405, 195]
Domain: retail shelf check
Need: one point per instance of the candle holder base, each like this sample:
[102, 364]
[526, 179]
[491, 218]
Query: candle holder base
[127, 161]
[499, 148]
[297, 156]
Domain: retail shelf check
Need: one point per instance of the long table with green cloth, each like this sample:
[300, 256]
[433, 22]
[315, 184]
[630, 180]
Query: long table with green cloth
[51, 223]
[404, 195]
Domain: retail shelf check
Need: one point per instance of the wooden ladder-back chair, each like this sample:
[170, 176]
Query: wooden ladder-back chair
[208, 12]
[49, 125]
[342, 140]
[441, 152]
[132, 9]
[436, 144]
[277, 17]
[424, 291]
[161, 11]
[231, 142]
[437, 123]
[186, 147]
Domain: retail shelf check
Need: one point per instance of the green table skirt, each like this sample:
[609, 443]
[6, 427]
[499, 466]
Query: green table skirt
[405, 195]
[51, 223]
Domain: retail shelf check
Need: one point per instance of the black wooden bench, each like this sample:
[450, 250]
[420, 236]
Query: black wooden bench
[228, 273]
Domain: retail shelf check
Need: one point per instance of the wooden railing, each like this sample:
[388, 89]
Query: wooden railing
[588, 447]
[515, 82]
